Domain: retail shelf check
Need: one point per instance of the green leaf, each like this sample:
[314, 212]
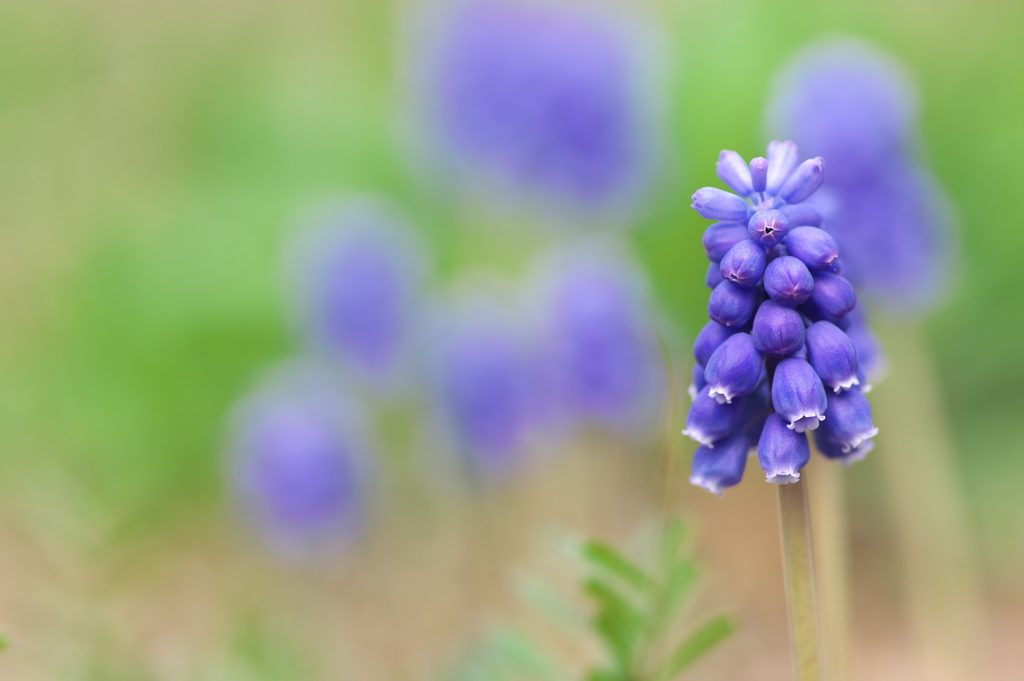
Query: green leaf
[618, 621]
[524, 658]
[604, 556]
[678, 584]
[698, 643]
[672, 539]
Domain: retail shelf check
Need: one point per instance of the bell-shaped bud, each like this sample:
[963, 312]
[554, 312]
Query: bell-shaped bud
[733, 171]
[782, 160]
[833, 356]
[806, 180]
[832, 297]
[788, 281]
[721, 467]
[848, 420]
[744, 264]
[697, 382]
[713, 277]
[708, 421]
[710, 337]
[833, 450]
[759, 174]
[732, 305]
[802, 214]
[813, 247]
[782, 452]
[734, 368]
[778, 330]
[720, 237]
[768, 227]
[798, 395]
[716, 204]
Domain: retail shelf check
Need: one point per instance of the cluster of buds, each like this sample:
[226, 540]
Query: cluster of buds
[775, 360]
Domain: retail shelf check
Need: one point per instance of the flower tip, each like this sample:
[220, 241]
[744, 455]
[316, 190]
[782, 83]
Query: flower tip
[783, 477]
[704, 483]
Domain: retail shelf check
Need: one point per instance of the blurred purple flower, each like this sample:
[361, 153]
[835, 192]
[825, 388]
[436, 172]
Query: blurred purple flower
[549, 100]
[857, 107]
[604, 356]
[359, 273]
[486, 384]
[297, 460]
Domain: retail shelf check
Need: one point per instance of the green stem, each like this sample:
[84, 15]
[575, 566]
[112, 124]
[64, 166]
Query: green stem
[805, 627]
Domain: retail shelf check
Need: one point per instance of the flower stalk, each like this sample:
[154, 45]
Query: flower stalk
[798, 560]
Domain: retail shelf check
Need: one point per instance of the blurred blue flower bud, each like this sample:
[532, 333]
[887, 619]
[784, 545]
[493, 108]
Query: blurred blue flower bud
[734, 368]
[788, 281]
[720, 237]
[710, 337]
[798, 394]
[832, 296]
[778, 330]
[744, 264]
[802, 215]
[732, 305]
[759, 174]
[837, 452]
[713, 277]
[783, 158]
[848, 420]
[813, 247]
[716, 204]
[697, 381]
[768, 227]
[806, 180]
[709, 421]
[833, 356]
[718, 468]
[781, 451]
[733, 171]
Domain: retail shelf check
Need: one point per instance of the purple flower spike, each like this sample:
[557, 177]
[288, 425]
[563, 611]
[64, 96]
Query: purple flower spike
[813, 247]
[721, 467]
[733, 171]
[708, 421]
[832, 296]
[782, 452]
[744, 264]
[778, 330]
[768, 227]
[734, 368]
[710, 337]
[835, 451]
[798, 395]
[716, 204]
[788, 281]
[802, 215]
[714, 275]
[848, 421]
[833, 356]
[759, 174]
[732, 305]
[720, 237]
[807, 179]
[783, 158]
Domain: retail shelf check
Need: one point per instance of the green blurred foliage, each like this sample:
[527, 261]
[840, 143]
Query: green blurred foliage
[154, 156]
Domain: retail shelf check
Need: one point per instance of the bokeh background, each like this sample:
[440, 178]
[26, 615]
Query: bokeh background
[154, 161]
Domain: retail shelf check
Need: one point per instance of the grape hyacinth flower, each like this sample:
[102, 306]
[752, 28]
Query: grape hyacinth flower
[857, 107]
[487, 387]
[297, 462]
[605, 364]
[357, 279]
[540, 101]
[774, 362]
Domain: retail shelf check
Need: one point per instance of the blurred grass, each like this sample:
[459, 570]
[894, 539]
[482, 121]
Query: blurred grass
[153, 159]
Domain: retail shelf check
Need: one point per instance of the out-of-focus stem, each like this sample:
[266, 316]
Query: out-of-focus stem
[805, 625]
[831, 542]
[919, 467]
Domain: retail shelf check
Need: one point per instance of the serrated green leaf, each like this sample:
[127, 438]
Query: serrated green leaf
[618, 621]
[603, 556]
[695, 645]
